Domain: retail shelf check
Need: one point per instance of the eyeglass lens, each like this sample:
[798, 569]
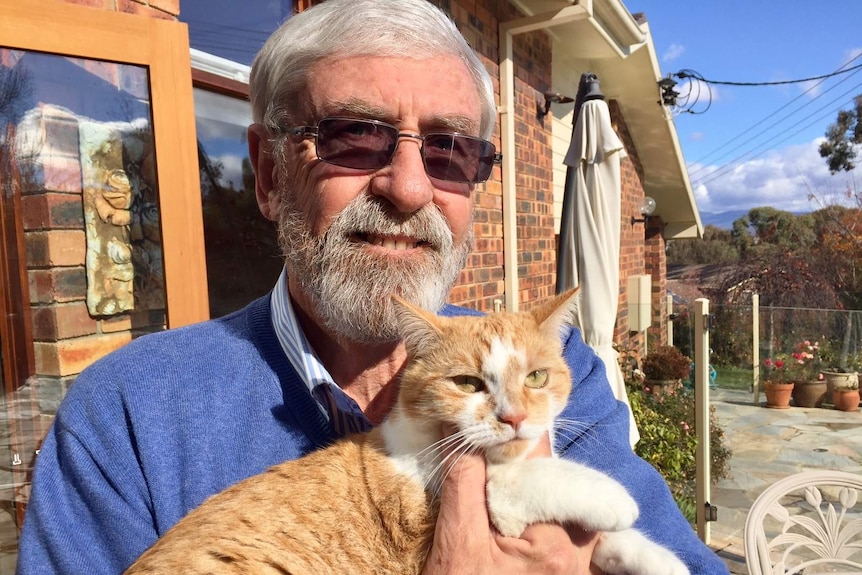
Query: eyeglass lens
[369, 145]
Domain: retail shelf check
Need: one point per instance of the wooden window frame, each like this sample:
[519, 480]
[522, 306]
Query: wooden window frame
[162, 46]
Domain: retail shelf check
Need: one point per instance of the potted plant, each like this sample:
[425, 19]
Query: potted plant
[845, 396]
[841, 371]
[664, 369]
[776, 385]
[803, 367]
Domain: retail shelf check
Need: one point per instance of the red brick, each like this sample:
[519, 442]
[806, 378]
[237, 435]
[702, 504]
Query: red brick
[132, 7]
[62, 174]
[62, 321]
[57, 285]
[169, 6]
[71, 356]
[116, 323]
[55, 248]
[55, 211]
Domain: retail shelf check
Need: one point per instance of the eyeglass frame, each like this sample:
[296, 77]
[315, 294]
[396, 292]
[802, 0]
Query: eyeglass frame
[303, 132]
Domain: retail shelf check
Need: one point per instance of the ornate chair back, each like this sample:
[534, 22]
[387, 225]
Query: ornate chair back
[809, 521]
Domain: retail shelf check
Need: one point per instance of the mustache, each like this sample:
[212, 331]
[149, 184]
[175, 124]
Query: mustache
[369, 216]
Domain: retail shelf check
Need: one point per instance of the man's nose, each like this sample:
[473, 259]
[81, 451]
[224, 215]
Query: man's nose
[404, 181]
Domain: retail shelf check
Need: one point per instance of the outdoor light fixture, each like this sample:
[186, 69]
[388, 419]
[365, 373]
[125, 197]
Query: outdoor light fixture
[552, 98]
[668, 94]
[647, 208]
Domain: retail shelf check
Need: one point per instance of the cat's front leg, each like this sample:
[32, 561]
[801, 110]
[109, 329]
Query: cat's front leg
[556, 490]
[629, 552]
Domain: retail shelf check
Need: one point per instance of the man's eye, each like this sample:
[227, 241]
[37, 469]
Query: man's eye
[358, 129]
[537, 379]
[440, 142]
[469, 383]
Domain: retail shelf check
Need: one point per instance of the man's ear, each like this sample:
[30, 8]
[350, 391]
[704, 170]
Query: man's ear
[265, 175]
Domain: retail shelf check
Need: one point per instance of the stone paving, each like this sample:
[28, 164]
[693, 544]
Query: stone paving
[767, 445]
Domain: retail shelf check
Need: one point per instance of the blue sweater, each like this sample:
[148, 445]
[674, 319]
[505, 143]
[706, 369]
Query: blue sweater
[150, 431]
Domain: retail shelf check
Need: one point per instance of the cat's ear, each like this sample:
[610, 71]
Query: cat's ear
[557, 313]
[419, 328]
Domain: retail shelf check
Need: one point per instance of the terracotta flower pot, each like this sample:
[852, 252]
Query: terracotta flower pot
[809, 393]
[845, 399]
[778, 394]
[662, 386]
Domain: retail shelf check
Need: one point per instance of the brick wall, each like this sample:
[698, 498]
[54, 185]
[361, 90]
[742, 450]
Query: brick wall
[66, 338]
[631, 236]
[481, 282]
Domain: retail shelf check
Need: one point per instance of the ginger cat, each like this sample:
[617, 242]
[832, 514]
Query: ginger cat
[367, 503]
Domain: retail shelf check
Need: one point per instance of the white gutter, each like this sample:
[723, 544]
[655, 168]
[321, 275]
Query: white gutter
[578, 10]
[219, 66]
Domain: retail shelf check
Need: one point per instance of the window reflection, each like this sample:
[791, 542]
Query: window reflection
[242, 254]
[81, 261]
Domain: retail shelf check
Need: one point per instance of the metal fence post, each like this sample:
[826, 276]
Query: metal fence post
[755, 347]
[670, 316]
[705, 510]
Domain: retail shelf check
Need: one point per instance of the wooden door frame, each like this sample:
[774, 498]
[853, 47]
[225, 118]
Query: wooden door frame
[16, 325]
[162, 46]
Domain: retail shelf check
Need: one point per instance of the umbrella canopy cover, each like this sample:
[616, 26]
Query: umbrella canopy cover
[589, 252]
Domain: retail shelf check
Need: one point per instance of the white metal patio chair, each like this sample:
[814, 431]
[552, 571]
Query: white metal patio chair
[809, 521]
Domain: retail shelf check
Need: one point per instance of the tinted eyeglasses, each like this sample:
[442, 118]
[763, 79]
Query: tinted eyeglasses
[370, 145]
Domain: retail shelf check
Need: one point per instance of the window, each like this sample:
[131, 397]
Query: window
[243, 258]
[242, 255]
[100, 220]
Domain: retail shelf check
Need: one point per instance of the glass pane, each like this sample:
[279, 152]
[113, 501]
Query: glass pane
[242, 253]
[230, 29]
[81, 260]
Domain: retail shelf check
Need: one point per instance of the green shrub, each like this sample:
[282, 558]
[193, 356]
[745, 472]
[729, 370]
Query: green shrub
[668, 441]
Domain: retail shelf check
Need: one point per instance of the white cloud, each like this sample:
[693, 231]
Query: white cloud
[673, 52]
[232, 171]
[783, 179]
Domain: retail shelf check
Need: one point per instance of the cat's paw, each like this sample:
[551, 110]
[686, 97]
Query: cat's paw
[606, 506]
[509, 525]
[558, 491]
[630, 552]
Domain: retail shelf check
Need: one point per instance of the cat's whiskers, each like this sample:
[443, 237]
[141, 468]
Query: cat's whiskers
[468, 449]
[575, 431]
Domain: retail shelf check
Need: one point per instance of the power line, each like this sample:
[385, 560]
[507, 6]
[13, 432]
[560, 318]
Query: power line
[748, 155]
[687, 74]
[711, 155]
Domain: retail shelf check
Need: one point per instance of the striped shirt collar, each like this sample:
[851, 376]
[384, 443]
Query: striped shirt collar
[293, 341]
[340, 409]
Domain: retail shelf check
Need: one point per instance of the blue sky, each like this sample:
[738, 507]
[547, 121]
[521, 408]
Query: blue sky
[757, 146]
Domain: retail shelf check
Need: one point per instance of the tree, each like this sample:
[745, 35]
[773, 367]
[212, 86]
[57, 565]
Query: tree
[843, 138]
[716, 247]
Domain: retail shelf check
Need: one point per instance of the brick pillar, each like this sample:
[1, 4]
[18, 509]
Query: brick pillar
[656, 264]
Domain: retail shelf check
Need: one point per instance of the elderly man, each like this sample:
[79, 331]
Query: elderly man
[372, 120]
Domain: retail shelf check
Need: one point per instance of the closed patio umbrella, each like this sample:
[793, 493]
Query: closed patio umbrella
[589, 249]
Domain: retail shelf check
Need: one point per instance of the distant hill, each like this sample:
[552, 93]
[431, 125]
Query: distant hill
[723, 220]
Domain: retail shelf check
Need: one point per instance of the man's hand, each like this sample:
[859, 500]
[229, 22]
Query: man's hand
[466, 543]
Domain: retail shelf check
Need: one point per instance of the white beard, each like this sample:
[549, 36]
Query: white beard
[349, 286]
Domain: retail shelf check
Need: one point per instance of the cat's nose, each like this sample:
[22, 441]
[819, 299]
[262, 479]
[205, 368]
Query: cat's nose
[514, 418]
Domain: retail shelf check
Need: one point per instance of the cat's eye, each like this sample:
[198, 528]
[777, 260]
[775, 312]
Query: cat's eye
[469, 383]
[537, 379]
